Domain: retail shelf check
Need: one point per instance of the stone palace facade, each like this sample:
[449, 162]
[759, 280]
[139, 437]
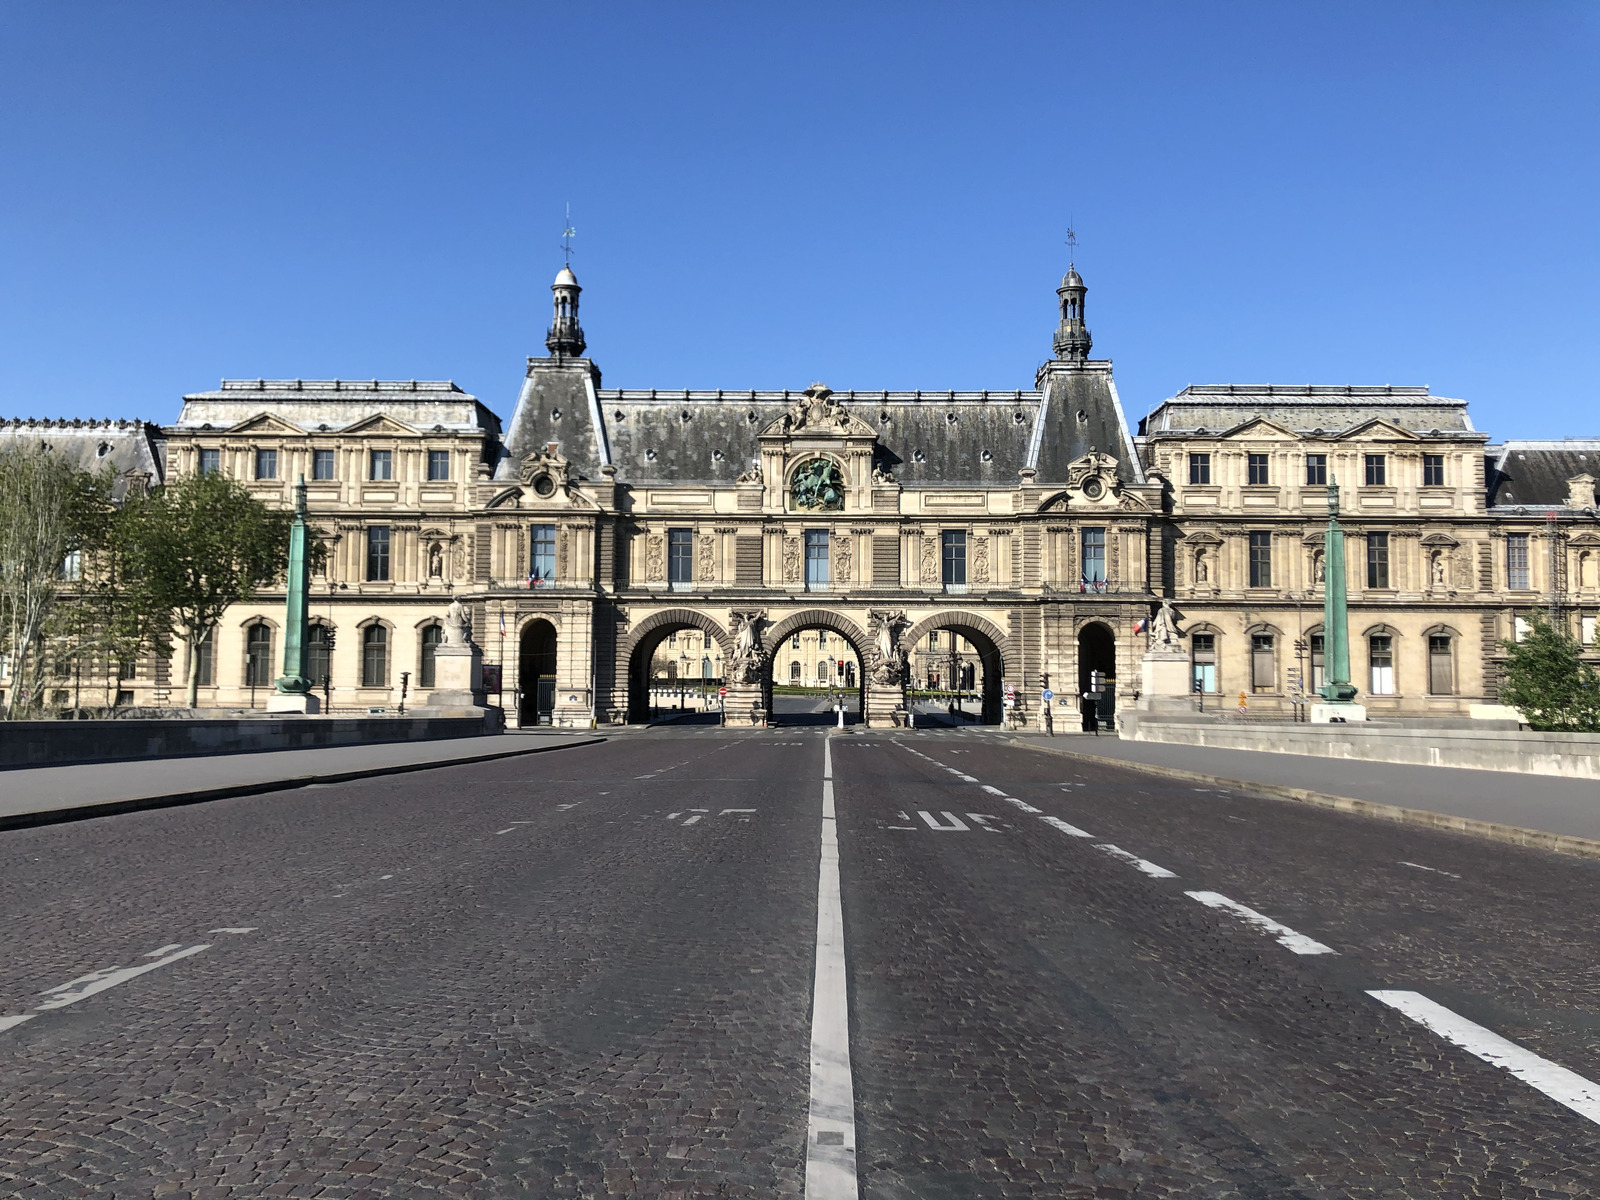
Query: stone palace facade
[1037, 526]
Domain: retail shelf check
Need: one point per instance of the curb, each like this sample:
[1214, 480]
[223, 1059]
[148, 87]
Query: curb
[1514, 835]
[112, 808]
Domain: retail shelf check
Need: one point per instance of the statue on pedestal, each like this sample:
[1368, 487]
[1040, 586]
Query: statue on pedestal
[746, 665]
[457, 625]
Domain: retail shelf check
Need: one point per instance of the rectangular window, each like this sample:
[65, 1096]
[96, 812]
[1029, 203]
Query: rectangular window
[1380, 654]
[1377, 560]
[1260, 473]
[542, 555]
[1319, 663]
[1433, 470]
[319, 645]
[1441, 665]
[933, 640]
[1203, 646]
[1316, 470]
[1199, 468]
[1518, 577]
[1260, 558]
[382, 465]
[72, 566]
[438, 465]
[1586, 630]
[953, 546]
[322, 464]
[207, 665]
[1093, 541]
[1263, 664]
[377, 553]
[375, 656]
[258, 663]
[266, 464]
[210, 462]
[816, 560]
[680, 559]
[1377, 470]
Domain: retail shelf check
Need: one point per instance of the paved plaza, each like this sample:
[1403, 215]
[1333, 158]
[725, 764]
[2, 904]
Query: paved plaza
[607, 970]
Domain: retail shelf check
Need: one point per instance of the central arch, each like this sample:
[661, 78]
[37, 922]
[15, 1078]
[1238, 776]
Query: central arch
[773, 641]
[640, 646]
[995, 655]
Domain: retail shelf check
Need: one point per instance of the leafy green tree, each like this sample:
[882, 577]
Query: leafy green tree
[52, 516]
[1546, 679]
[195, 547]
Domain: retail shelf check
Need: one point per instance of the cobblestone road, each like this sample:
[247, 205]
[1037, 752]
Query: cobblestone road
[588, 973]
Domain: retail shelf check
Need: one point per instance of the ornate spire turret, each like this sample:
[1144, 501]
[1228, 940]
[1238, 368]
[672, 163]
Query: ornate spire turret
[1072, 341]
[565, 339]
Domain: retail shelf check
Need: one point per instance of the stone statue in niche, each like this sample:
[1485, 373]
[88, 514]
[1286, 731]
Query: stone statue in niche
[1440, 570]
[435, 561]
[1318, 572]
[457, 625]
[1202, 569]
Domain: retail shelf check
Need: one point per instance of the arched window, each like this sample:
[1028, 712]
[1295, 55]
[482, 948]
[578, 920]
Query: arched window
[794, 672]
[432, 636]
[822, 670]
[258, 655]
[319, 644]
[1380, 661]
[1203, 651]
[1441, 664]
[207, 675]
[375, 656]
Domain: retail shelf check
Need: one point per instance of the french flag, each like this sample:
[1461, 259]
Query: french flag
[1141, 624]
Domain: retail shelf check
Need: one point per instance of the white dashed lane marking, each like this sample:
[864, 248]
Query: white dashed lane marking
[1287, 938]
[1149, 868]
[1565, 1087]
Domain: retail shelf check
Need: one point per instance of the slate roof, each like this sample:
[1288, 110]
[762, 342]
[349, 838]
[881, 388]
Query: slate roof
[1306, 408]
[1534, 474]
[334, 404]
[127, 447]
[927, 439]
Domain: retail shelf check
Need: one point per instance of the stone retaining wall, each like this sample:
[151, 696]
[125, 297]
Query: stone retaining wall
[51, 743]
[1572, 755]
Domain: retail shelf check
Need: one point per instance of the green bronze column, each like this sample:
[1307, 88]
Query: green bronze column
[294, 681]
[1337, 688]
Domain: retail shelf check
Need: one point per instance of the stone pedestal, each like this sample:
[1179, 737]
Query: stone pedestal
[457, 680]
[886, 707]
[294, 702]
[1324, 714]
[743, 708]
[1165, 681]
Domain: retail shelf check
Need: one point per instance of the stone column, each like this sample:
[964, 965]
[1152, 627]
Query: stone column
[294, 693]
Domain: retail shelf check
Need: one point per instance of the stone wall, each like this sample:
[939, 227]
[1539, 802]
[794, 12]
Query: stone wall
[1572, 755]
[55, 743]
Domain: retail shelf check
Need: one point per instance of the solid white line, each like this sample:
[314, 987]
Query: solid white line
[1565, 1087]
[1149, 868]
[1058, 823]
[831, 1128]
[1287, 938]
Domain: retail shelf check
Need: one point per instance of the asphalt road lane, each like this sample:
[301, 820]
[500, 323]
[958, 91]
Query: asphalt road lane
[454, 983]
[1039, 1017]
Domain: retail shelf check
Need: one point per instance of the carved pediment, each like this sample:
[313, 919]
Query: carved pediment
[381, 424]
[1376, 428]
[818, 414]
[1094, 477]
[1202, 537]
[267, 423]
[1262, 428]
[1440, 539]
[547, 472]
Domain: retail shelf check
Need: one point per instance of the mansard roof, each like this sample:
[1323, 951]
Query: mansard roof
[926, 438]
[1525, 473]
[337, 404]
[129, 448]
[1309, 409]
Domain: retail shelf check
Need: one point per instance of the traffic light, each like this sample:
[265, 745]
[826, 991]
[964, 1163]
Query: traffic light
[841, 666]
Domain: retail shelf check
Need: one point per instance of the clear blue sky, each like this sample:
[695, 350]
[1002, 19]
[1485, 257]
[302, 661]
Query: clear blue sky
[870, 194]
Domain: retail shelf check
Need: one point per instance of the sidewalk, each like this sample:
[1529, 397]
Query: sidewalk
[43, 795]
[1498, 804]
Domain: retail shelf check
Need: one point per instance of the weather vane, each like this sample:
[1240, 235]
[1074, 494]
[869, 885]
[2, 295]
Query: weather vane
[1072, 247]
[567, 235]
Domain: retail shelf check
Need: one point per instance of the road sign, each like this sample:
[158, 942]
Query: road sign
[1047, 695]
[722, 691]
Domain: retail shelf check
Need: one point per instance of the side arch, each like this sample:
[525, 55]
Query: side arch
[960, 620]
[675, 618]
